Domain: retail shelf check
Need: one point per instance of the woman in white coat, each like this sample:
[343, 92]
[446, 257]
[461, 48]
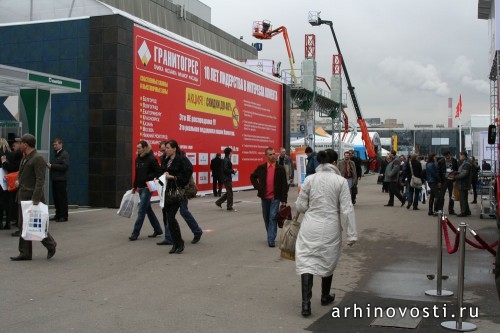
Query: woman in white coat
[326, 201]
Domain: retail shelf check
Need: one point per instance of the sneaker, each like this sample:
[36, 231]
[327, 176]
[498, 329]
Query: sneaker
[231, 210]
[218, 205]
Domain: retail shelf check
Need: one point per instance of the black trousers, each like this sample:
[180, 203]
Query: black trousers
[217, 186]
[4, 206]
[394, 191]
[13, 206]
[173, 226]
[60, 196]
[228, 195]
[446, 186]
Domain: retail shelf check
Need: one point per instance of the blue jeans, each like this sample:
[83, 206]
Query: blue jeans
[270, 208]
[145, 209]
[188, 217]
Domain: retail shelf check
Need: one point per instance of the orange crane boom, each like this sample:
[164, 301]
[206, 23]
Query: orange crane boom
[370, 149]
[264, 30]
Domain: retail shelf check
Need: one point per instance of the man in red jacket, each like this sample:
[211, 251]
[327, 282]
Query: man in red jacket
[272, 188]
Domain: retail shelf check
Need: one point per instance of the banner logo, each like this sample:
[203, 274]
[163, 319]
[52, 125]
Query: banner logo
[144, 53]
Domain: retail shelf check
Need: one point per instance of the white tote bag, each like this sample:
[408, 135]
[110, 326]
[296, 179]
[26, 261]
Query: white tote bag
[161, 189]
[129, 203]
[35, 221]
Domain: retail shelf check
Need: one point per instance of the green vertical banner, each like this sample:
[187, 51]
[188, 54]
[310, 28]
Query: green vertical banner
[35, 103]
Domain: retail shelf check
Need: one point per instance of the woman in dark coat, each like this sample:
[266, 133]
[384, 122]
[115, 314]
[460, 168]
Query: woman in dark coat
[475, 177]
[432, 178]
[414, 167]
[179, 170]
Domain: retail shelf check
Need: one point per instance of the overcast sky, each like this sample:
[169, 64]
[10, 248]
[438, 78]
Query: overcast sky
[405, 58]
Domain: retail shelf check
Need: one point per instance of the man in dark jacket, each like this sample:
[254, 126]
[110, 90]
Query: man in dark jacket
[146, 169]
[58, 166]
[217, 175]
[413, 168]
[359, 173]
[272, 188]
[228, 172]
[392, 177]
[30, 183]
[311, 161]
[447, 168]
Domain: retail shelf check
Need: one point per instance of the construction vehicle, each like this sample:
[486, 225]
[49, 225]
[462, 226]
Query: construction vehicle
[345, 118]
[264, 30]
[315, 20]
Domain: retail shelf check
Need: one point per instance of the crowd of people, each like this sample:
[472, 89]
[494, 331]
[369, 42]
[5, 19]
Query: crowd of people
[326, 200]
[415, 178]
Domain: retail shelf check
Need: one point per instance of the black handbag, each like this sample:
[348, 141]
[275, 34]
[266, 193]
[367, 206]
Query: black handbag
[174, 194]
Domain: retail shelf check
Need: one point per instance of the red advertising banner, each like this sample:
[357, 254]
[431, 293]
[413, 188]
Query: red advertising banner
[205, 103]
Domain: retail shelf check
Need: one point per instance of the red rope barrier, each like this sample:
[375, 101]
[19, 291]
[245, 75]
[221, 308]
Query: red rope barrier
[449, 248]
[481, 246]
[488, 247]
[468, 241]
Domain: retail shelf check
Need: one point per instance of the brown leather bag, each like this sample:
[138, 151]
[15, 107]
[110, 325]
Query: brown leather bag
[284, 213]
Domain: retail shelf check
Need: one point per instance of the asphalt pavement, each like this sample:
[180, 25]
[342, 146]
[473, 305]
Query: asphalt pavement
[231, 281]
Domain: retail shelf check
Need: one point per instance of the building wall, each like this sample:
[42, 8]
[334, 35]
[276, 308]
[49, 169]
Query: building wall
[163, 13]
[96, 124]
[424, 139]
[59, 48]
[110, 109]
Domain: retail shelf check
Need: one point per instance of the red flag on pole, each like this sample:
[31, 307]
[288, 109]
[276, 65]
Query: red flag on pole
[458, 111]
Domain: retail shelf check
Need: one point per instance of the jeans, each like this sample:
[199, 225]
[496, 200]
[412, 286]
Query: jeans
[270, 209]
[434, 198]
[145, 209]
[188, 217]
[413, 195]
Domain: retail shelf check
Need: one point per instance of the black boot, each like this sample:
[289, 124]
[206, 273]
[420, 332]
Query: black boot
[175, 233]
[173, 249]
[307, 284]
[326, 284]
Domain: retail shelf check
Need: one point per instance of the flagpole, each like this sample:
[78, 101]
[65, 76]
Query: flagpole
[460, 134]
[458, 114]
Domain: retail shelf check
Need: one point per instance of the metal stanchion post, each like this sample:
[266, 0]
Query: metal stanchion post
[439, 271]
[459, 325]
